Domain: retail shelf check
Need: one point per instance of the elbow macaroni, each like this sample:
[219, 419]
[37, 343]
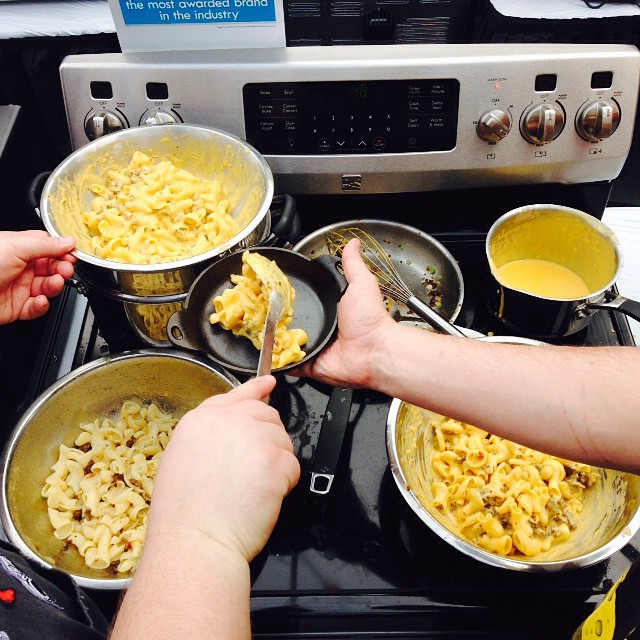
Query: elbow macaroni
[501, 496]
[99, 491]
[243, 308]
[151, 212]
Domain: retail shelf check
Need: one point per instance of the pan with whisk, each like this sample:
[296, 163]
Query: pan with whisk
[425, 265]
[390, 281]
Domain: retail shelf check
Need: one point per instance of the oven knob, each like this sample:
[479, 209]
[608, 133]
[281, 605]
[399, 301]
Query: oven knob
[158, 117]
[543, 123]
[100, 124]
[598, 120]
[494, 125]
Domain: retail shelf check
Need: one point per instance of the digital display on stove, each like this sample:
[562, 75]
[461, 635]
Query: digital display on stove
[326, 118]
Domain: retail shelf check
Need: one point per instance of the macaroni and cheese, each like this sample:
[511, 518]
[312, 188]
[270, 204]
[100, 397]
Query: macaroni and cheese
[151, 212]
[242, 309]
[501, 496]
[99, 491]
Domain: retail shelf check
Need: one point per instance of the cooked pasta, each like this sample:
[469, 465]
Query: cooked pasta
[242, 309]
[150, 212]
[155, 318]
[501, 496]
[99, 491]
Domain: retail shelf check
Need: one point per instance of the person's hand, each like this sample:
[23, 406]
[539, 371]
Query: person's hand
[33, 268]
[362, 322]
[224, 474]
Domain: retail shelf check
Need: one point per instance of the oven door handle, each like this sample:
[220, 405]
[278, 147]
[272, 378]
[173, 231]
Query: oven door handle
[332, 431]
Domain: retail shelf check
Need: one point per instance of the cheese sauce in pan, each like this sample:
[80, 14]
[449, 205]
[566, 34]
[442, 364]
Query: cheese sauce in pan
[543, 278]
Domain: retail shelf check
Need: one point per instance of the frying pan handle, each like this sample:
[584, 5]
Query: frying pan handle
[619, 303]
[333, 264]
[332, 431]
[178, 332]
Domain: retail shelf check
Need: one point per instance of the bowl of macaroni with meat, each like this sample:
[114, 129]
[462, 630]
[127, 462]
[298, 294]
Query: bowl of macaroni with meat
[79, 467]
[151, 206]
[505, 504]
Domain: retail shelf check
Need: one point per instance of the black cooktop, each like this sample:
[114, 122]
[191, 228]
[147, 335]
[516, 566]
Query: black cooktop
[357, 562]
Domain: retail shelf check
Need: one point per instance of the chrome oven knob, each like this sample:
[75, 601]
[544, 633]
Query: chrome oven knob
[158, 117]
[542, 123]
[494, 125]
[598, 120]
[100, 124]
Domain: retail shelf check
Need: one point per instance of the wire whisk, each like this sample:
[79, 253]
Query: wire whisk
[389, 280]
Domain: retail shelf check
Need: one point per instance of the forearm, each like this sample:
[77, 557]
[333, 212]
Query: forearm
[537, 396]
[186, 589]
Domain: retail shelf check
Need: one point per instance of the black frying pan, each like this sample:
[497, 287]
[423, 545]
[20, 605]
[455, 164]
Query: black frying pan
[318, 285]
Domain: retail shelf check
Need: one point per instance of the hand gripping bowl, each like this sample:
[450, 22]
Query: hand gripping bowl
[207, 153]
[610, 518]
[176, 381]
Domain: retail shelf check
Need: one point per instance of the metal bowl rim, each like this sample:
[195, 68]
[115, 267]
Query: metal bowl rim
[5, 458]
[108, 140]
[585, 560]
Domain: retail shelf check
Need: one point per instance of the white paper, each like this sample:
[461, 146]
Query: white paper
[184, 25]
[60, 18]
[563, 9]
[625, 223]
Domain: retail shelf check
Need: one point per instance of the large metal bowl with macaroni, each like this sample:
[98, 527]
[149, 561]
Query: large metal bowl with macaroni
[207, 153]
[175, 381]
[609, 519]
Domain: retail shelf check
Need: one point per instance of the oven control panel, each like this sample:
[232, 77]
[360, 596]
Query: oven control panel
[381, 118]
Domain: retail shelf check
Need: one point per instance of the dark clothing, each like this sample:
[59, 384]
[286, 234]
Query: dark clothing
[37, 603]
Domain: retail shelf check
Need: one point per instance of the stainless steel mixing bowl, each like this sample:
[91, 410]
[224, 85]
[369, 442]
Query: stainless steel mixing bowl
[609, 520]
[176, 381]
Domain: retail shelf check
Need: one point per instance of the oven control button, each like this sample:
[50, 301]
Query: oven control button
[100, 124]
[542, 123]
[158, 117]
[494, 125]
[598, 120]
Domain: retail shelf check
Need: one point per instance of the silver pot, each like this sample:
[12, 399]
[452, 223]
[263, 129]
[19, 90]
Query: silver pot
[207, 153]
[176, 380]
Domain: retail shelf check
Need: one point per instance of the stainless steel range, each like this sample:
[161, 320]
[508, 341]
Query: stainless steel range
[445, 138]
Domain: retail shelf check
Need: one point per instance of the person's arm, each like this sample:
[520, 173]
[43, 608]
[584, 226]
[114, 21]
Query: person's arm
[216, 498]
[33, 268]
[581, 403]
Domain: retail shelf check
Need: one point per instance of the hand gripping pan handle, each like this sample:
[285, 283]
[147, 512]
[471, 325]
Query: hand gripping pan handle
[332, 431]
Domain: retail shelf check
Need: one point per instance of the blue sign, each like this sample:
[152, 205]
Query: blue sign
[150, 12]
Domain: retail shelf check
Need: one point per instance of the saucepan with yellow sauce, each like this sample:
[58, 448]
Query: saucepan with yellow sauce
[555, 267]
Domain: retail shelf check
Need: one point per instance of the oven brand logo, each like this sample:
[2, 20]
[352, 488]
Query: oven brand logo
[151, 12]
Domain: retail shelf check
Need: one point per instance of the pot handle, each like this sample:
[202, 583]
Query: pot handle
[619, 303]
[34, 190]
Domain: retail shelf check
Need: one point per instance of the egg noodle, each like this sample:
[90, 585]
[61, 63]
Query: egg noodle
[503, 497]
[151, 212]
[242, 309]
[155, 318]
[99, 491]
